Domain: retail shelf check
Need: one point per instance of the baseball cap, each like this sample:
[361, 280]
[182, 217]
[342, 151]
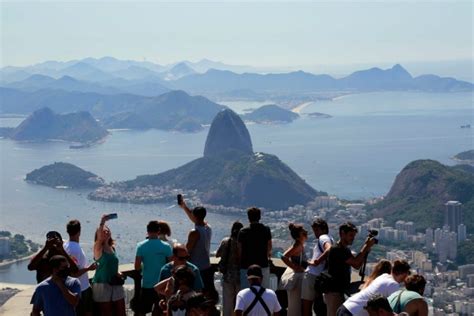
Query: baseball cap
[254, 271]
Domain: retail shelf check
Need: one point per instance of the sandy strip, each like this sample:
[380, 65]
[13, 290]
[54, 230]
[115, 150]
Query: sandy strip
[300, 107]
[13, 261]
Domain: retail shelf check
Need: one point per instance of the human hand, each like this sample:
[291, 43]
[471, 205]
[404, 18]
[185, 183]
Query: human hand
[92, 267]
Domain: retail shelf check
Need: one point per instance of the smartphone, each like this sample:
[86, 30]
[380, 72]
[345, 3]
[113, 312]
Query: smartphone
[180, 199]
[111, 216]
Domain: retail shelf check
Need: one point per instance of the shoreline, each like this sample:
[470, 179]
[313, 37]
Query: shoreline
[300, 107]
[13, 261]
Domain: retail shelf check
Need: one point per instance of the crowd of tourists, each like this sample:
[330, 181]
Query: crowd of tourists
[178, 279]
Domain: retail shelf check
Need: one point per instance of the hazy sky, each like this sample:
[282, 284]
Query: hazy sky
[245, 33]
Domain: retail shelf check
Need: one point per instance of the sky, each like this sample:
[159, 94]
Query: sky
[264, 33]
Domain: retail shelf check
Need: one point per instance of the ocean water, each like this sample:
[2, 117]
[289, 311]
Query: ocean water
[355, 154]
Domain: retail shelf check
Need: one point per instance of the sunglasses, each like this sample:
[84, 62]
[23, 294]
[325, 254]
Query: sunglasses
[178, 308]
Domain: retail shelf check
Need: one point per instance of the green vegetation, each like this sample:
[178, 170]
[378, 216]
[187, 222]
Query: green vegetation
[19, 246]
[64, 174]
[466, 155]
[420, 191]
[465, 252]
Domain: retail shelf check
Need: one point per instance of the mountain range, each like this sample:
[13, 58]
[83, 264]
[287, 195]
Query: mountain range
[206, 77]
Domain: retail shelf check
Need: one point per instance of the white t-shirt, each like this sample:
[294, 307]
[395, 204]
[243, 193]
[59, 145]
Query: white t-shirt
[383, 285]
[245, 297]
[74, 250]
[323, 239]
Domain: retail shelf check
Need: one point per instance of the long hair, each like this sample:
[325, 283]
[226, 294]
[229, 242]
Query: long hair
[383, 266]
[111, 242]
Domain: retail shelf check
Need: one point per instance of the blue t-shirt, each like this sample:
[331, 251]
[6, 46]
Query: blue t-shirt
[167, 269]
[154, 254]
[49, 298]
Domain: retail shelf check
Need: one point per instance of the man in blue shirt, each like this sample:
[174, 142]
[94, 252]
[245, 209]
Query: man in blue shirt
[59, 294]
[152, 254]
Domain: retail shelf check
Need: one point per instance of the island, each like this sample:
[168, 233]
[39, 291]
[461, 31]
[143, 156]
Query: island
[270, 113]
[318, 115]
[230, 174]
[45, 125]
[465, 156]
[61, 175]
[15, 247]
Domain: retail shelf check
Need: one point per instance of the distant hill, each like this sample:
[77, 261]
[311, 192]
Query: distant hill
[67, 83]
[270, 113]
[229, 174]
[374, 79]
[466, 156]
[422, 188]
[175, 110]
[61, 174]
[44, 125]
[178, 71]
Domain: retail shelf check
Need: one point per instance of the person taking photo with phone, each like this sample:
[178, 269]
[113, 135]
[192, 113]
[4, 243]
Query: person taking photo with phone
[107, 284]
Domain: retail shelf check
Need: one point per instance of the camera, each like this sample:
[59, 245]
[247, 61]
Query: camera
[179, 198]
[372, 234]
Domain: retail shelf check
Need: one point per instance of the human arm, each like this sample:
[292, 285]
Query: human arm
[138, 263]
[36, 311]
[222, 248]
[417, 307]
[33, 265]
[188, 212]
[357, 261]
[165, 287]
[294, 250]
[193, 238]
[80, 272]
[322, 257]
[98, 244]
[72, 297]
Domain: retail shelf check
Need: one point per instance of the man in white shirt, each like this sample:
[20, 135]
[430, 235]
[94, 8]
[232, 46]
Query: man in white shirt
[256, 300]
[74, 250]
[384, 285]
[315, 266]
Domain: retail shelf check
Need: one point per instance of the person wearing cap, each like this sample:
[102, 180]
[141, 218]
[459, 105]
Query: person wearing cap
[385, 285]
[256, 300]
[40, 262]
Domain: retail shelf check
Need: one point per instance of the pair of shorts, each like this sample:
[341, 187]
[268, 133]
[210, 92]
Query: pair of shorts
[103, 292]
[148, 299]
[86, 303]
[307, 287]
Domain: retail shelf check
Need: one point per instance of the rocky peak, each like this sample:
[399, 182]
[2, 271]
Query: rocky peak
[227, 132]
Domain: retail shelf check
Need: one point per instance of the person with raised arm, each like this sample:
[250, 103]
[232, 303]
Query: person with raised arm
[107, 284]
[199, 246]
[340, 260]
[40, 262]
